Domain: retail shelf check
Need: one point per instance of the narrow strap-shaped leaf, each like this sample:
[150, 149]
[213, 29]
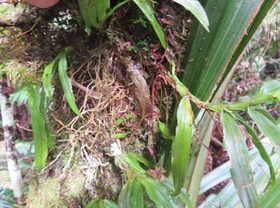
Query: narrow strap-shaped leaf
[120, 121]
[267, 127]
[266, 114]
[39, 127]
[181, 144]
[93, 204]
[137, 195]
[197, 10]
[272, 87]
[241, 171]
[87, 9]
[125, 195]
[110, 204]
[164, 130]
[66, 84]
[48, 77]
[257, 142]
[272, 198]
[147, 9]
[157, 193]
[183, 196]
[139, 158]
[134, 164]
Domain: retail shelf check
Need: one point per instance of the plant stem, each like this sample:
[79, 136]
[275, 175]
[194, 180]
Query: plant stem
[241, 105]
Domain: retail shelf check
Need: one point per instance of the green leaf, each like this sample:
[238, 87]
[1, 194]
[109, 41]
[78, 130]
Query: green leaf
[110, 204]
[133, 159]
[137, 194]
[257, 142]
[198, 158]
[96, 12]
[266, 114]
[181, 144]
[196, 9]
[209, 53]
[48, 77]
[95, 203]
[272, 87]
[267, 127]
[121, 135]
[164, 130]
[272, 199]
[132, 194]
[41, 135]
[228, 197]
[157, 193]
[138, 158]
[125, 195]
[183, 196]
[148, 11]
[66, 84]
[241, 171]
[120, 121]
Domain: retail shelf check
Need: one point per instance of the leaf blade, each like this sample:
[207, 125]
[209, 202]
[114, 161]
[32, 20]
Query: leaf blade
[241, 171]
[147, 9]
[66, 84]
[267, 127]
[181, 144]
[41, 135]
[197, 10]
[262, 151]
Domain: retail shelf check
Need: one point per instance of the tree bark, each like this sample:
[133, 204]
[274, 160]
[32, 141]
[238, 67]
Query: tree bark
[8, 130]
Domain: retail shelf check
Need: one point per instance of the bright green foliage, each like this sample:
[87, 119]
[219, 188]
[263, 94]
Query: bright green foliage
[228, 196]
[263, 153]
[132, 194]
[60, 63]
[120, 121]
[39, 100]
[147, 9]
[96, 12]
[272, 198]
[41, 134]
[164, 130]
[48, 77]
[267, 126]
[133, 160]
[66, 84]
[181, 144]
[140, 186]
[99, 203]
[272, 88]
[197, 10]
[157, 193]
[241, 171]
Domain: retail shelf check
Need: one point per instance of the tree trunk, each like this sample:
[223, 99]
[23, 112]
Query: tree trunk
[8, 130]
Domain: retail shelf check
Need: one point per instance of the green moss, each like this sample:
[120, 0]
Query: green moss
[58, 191]
[45, 193]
